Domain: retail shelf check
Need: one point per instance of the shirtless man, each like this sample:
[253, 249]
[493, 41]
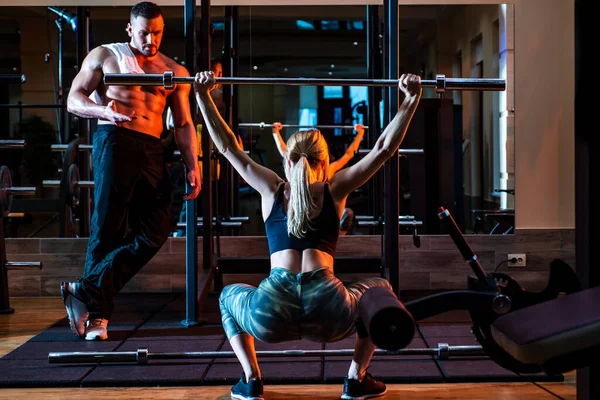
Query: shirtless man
[131, 181]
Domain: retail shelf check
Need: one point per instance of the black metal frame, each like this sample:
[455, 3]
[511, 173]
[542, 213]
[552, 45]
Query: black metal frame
[391, 169]
[191, 239]
[85, 124]
[587, 169]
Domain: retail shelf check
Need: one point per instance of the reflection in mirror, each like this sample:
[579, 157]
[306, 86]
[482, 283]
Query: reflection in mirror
[459, 149]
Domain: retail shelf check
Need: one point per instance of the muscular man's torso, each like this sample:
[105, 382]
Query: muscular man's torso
[148, 102]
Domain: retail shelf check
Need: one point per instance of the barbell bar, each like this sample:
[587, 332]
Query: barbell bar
[177, 153]
[21, 190]
[224, 224]
[56, 183]
[441, 83]
[63, 147]
[21, 106]
[372, 218]
[400, 151]
[6, 79]
[20, 144]
[12, 144]
[380, 223]
[23, 264]
[230, 219]
[262, 125]
[142, 356]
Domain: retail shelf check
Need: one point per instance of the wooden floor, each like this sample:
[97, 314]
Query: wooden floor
[32, 315]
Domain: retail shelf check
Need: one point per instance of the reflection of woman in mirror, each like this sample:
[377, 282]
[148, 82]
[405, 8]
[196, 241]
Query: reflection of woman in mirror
[334, 166]
[347, 219]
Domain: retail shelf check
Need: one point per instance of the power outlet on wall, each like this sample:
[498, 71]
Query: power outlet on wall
[517, 260]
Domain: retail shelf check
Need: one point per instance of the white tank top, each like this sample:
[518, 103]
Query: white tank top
[127, 64]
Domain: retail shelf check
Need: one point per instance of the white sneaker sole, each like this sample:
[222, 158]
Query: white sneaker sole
[240, 397]
[68, 300]
[366, 396]
[96, 337]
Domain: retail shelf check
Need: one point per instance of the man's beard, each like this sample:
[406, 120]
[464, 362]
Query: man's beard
[147, 50]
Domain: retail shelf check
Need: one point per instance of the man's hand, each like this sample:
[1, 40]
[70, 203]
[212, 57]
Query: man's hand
[277, 127]
[204, 81]
[111, 114]
[194, 177]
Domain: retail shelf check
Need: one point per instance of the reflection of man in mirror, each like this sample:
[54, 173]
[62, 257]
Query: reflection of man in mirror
[217, 92]
[217, 95]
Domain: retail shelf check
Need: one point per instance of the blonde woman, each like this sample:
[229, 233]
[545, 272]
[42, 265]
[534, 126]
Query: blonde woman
[301, 298]
[337, 164]
[347, 219]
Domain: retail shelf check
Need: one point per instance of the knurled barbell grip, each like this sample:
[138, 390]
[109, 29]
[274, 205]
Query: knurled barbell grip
[167, 79]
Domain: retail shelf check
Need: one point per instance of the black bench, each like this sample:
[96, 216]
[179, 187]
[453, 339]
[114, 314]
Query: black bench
[560, 335]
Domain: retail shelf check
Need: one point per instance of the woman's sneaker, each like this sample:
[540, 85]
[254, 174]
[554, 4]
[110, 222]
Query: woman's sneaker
[367, 388]
[77, 310]
[252, 390]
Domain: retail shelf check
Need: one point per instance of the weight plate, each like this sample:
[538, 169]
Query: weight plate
[5, 197]
[73, 179]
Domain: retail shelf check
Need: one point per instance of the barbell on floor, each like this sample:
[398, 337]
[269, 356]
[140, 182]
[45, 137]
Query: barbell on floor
[441, 83]
[142, 356]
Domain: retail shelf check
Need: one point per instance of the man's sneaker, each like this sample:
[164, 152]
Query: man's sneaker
[252, 390]
[96, 329]
[367, 388]
[77, 310]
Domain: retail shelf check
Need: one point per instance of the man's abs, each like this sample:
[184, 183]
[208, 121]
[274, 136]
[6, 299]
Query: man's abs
[146, 102]
[145, 107]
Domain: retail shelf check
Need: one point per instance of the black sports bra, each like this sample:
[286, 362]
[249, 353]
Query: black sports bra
[323, 234]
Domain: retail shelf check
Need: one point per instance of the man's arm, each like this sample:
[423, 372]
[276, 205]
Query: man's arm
[86, 81]
[185, 133]
[279, 142]
[350, 151]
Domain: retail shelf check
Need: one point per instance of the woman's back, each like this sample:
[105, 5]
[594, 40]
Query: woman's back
[315, 249]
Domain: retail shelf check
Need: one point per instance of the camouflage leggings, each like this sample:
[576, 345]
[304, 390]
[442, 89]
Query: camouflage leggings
[312, 305]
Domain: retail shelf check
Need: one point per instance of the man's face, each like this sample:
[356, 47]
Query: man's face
[217, 68]
[146, 34]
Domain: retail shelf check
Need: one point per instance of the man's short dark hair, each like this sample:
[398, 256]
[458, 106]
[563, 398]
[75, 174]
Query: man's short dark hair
[146, 10]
